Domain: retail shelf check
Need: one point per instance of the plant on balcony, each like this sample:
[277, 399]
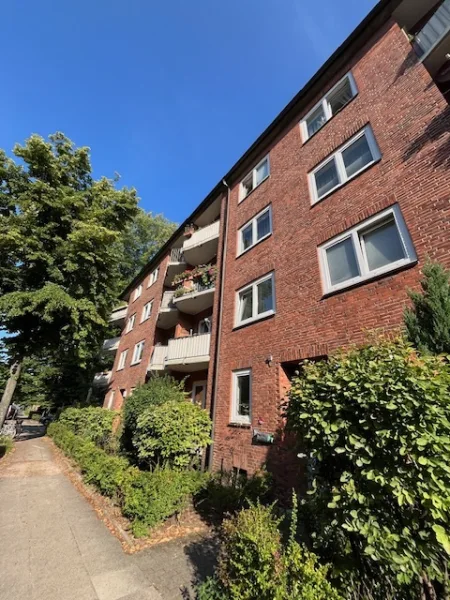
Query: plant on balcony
[205, 275]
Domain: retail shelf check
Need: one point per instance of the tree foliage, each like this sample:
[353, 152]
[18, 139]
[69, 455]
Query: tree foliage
[58, 248]
[428, 321]
[141, 240]
[375, 421]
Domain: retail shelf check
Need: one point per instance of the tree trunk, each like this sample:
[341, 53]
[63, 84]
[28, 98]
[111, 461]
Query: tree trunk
[429, 591]
[7, 397]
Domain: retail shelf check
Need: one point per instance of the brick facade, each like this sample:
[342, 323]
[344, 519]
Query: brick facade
[410, 120]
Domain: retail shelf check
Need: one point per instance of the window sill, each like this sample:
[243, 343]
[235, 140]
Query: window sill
[121, 369]
[137, 362]
[326, 122]
[255, 244]
[255, 188]
[347, 181]
[370, 277]
[255, 320]
[240, 425]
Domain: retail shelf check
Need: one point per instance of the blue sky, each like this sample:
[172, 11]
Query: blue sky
[168, 94]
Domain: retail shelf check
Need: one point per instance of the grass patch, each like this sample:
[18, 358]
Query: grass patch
[6, 445]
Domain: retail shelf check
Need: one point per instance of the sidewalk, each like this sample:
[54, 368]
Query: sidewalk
[55, 548]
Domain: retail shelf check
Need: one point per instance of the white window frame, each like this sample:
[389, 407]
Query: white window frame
[122, 360]
[110, 403]
[148, 307]
[137, 292]
[254, 223]
[140, 344]
[242, 194]
[130, 323]
[326, 107]
[153, 277]
[254, 285]
[358, 246]
[340, 166]
[235, 416]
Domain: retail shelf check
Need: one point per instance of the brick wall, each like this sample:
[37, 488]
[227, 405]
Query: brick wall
[411, 123]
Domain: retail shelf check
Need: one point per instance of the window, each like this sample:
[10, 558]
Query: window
[255, 230]
[254, 178]
[130, 323]
[137, 353]
[153, 277]
[347, 162]
[137, 292]
[375, 246]
[333, 102]
[122, 359]
[147, 311]
[256, 301]
[242, 396]
[204, 326]
[111, 400]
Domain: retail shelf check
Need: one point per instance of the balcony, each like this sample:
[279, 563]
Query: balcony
[194, 299]
[201, 247]
[101, 380]
[111, 345]
[119, 315]
[188, 354]
[168, 312]
[158, 359]
[176, 265]
[432, 42]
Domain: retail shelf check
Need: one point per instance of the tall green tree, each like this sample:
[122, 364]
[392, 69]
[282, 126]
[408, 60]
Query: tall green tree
[141, 240]
[59, 252]
[428, 321]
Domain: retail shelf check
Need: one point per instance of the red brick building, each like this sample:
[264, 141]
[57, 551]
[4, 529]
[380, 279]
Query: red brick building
[316, 234]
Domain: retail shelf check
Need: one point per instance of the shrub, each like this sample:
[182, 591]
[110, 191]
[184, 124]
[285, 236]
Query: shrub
[428, 322]
[156, 391]
[150, 498]
[173, 433]
[104, 471]
[225, 493]
[376, 424]
[93, 423]
[147, 499]
[255, 564]
[6, 445]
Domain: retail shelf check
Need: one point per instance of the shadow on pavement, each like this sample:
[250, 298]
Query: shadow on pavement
[202, 555]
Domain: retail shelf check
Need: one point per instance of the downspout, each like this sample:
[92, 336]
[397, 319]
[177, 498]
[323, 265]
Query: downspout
[219, 327]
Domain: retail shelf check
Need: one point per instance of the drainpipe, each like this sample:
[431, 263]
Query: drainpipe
[219, 327]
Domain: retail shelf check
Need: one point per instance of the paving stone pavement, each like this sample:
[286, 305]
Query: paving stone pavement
[54, 547]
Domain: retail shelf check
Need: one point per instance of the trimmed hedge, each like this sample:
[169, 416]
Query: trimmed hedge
[146, 498]
[93, 422]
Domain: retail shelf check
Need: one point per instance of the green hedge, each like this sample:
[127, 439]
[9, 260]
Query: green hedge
[146, 498]
[93, 422]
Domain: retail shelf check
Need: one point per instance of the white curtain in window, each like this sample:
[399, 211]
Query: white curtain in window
[316, 120]
[383, 245]
[342, 263]
[340, 96]
[245, 307]
[262, 172]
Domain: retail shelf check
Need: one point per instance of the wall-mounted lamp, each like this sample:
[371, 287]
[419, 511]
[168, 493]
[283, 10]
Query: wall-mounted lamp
[269, 360]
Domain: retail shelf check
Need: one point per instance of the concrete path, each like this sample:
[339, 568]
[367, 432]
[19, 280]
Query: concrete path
[54, 547]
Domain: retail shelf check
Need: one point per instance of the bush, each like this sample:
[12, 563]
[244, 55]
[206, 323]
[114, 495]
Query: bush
[150, 498]
[147, 499]
[428, 322]
[172, 433]
[254, 563]
[6, 445]
[225, 493]
[93, 423]
[156, 391]
[376, 424]
[106, 472]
